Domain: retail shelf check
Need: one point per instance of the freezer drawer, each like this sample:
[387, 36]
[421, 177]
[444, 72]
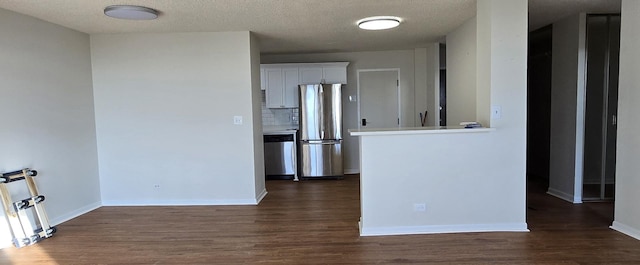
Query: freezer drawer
[321, 159]
[279, 155]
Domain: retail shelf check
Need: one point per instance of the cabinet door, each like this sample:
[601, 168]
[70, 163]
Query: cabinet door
[291, 82]
[310, 75]
[334, 75]
[274, 85]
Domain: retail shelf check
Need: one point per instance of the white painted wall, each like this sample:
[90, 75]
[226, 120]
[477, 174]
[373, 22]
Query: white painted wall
[468, 181]
[461, 73]
[433, 84]
[484, 63]
[420, 98]
[427, 83]
[256, 100]
[455, 177]
[627, 209]
[47, 115]
[567, 109]
[164, 116]
[403, 59]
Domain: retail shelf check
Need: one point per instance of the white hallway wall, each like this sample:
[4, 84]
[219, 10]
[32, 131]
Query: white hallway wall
[627, 208]
[405, 60]
[567, 109]
[164, 117]
[47, 115]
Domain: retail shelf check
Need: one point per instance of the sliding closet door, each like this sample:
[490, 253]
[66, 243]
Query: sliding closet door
[603, 43]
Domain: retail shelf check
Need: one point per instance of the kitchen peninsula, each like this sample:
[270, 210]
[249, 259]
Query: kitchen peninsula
[433, 180]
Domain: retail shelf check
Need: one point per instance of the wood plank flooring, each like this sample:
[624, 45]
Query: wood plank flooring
[315, 222]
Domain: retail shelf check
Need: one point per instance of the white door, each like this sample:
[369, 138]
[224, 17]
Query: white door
[379, 91]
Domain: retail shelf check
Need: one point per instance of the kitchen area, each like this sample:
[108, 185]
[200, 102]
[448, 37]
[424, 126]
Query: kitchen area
[302, 120]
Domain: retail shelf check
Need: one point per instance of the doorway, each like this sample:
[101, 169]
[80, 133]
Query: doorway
[539, 105]
[379, 93]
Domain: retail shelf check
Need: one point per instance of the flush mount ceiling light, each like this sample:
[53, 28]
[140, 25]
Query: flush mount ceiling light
[378, 23]
[131, 12]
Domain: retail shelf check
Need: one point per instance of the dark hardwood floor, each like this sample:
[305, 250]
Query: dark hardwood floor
[315, 222]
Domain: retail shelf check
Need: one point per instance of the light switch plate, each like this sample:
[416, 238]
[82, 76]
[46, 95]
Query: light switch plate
[496, 112]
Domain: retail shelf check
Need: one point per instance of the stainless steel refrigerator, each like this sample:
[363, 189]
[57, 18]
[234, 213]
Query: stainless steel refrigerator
[320, 131]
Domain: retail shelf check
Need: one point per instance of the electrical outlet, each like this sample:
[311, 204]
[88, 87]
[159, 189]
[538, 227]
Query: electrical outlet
[237, 120]
[419, 207]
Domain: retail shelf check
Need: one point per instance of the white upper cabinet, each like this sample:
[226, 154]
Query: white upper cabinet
[311, 75]
[281, 80]
[334, 74]
[291, 83]
[281, 87]
[325, 73]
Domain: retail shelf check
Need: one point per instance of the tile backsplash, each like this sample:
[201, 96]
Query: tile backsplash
[278, 117]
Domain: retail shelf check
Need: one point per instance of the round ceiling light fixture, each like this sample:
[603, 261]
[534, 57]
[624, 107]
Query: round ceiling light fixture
[378, 23]
[131, 12]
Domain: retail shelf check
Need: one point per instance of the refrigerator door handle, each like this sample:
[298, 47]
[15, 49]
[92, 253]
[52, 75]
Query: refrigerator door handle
[321, 116]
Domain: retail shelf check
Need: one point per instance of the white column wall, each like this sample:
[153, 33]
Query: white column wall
[433, 84]
[627, 208]
[567, 109]
[421, 94]
[256, 99]
[427, 83]
[461, 73]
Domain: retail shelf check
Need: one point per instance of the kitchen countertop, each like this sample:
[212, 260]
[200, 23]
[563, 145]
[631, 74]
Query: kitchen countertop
[284, 129]
[417, 130]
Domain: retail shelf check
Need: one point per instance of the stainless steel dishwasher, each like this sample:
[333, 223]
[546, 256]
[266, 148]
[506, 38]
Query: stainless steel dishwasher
[280, 156]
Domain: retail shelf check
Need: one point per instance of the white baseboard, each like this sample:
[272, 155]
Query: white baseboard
[68, 216]
[178, 202]
[625, 229]
[351, 171]
[441, 229]
[565, 196]
[261, 196]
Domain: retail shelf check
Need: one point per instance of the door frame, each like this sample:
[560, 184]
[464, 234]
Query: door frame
[398, 91]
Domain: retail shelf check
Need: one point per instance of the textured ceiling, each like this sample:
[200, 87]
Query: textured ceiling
[290, 26]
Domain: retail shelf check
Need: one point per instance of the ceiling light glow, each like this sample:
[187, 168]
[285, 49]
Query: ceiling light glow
[378, 23]
[131, 12]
